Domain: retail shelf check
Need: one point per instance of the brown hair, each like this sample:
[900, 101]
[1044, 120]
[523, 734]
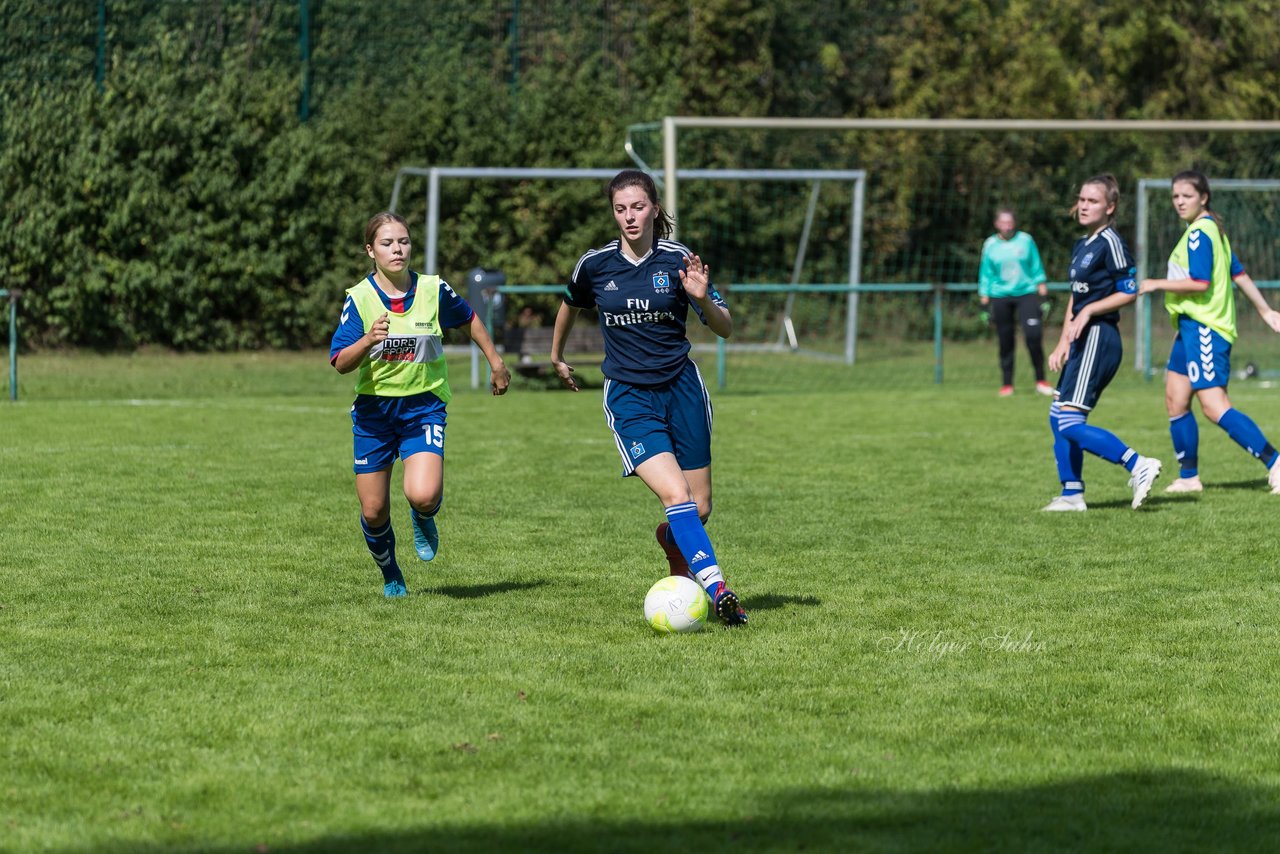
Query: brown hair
[377, 221]
[662, 223]
[1112, 188]
[1201, 185]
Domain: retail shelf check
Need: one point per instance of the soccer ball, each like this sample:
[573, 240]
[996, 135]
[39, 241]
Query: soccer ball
[676, 604]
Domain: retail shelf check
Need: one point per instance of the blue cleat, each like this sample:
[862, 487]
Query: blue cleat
[426, 537]
[395, 589]
[728, 609]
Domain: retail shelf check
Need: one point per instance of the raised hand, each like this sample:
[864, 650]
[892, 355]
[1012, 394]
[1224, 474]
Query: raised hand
[696, 277]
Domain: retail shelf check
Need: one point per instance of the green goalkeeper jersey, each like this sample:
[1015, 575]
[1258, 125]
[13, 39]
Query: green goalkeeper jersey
[1010, 268]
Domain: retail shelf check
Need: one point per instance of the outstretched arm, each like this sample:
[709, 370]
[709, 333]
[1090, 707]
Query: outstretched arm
[1269, 315]
[1173, 286]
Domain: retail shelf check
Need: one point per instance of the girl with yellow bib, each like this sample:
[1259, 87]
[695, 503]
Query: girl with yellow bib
[1198, 296]
[390, 334]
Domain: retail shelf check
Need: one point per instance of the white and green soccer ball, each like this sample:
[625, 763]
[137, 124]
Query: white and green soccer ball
[676, 604]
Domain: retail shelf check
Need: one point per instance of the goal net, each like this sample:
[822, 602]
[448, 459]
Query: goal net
[932, 190]
[782, 244]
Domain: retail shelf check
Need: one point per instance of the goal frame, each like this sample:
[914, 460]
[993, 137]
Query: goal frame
[856, 178]
[671, 171]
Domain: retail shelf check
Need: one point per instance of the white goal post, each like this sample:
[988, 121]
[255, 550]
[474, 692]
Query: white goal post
[671, 171]
[855, 178]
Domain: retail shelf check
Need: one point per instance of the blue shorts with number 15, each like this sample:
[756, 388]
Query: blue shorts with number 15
[674, 418]
[388, 427]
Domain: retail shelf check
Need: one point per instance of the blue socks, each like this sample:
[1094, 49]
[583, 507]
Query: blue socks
[691, 538]
[382, 545]
[1186, 443]
[1070, 424]
[1068, 455]
[422, 517]
[1245, 433]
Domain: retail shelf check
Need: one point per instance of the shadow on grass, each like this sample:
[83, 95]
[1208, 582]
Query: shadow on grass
[1156, 502]
[477, 591]
[769, 601]
[1153, 504]
[1129, 811]
[1257, 484]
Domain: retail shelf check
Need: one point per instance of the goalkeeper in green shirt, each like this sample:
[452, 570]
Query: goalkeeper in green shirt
[1011, 284]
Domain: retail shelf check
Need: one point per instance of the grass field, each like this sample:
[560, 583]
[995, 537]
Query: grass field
[195, 653]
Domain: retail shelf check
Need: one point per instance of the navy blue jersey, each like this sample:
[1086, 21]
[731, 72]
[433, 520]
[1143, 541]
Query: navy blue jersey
[642, 307]
[1101, 266]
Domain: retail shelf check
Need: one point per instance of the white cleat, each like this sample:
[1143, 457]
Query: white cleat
[1143, 478]
[1066, 504]
[1185, 484]
[1273, 477]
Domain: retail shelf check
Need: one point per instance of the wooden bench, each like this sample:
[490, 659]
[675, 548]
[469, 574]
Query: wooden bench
[532, 346]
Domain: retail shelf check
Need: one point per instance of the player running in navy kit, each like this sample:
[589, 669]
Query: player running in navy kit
[390, 330]
[1089, 351]
[655, 401]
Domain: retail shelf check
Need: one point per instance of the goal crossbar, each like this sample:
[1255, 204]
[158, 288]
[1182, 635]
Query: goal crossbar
[855, 177]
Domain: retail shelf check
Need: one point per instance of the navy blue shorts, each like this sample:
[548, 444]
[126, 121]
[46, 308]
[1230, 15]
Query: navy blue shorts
[673, 419]
[388, 427]
[1091, 365]
[1208, 364]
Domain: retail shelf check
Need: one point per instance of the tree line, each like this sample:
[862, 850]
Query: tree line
[180, 199]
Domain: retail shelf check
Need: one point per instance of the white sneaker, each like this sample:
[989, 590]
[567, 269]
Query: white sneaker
[1273, 477]
[1186, 484]
[1143, 478]
[1066, 504]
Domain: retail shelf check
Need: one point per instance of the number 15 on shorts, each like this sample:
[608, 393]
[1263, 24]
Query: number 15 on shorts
[433, 435]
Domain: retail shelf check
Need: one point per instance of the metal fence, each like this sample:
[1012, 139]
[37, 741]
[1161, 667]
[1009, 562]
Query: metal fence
[326, 43]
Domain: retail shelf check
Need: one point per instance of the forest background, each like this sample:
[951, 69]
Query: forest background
[196, 174]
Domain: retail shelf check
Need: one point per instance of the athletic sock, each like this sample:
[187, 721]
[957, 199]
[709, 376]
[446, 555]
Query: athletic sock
[382, 545]
[1186, 443]
[422, 517]
[1102, 443]
[1068, 455]
[691, 538]
[1245, 433]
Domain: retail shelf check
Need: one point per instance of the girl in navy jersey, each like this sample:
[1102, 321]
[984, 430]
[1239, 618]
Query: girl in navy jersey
[655, 402]
[390, 331]
[1089, 351]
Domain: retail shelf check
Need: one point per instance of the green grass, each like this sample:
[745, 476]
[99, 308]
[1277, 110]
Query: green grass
[195, 653]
